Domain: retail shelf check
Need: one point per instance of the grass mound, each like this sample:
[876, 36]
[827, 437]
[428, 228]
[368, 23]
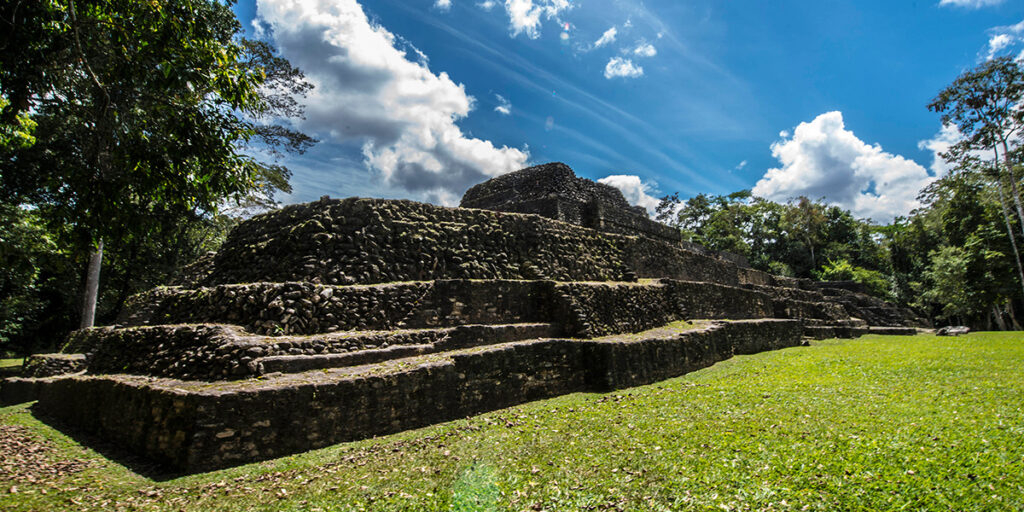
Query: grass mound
[876, 423]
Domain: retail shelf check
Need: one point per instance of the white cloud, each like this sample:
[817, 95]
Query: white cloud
[947, 136]
[970, 4]
[825, 160]
[645, 50]
[487, 5]
[619, 67]
[444, 5]
[1004, 38]
[997, 43]
[606, 38]
[741, 165]
[525, 15]
[635, 191]
[368, 91]
[504, 106]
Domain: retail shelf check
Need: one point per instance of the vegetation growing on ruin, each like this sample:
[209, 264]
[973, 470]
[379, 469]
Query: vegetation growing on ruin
[876, 423]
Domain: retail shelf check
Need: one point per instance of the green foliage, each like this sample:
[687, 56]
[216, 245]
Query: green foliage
[953, 257]
[878, 423]
[986, 104]
[136, 115]
[30, 264]
[134, 123]
[843, 270]
[784, 239]
[19, 134]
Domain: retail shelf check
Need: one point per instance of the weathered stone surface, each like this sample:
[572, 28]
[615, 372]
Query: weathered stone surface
[303, 308]
[553, 191]
[48, 365]
[198, 426]
[342, 319]
[952, 330]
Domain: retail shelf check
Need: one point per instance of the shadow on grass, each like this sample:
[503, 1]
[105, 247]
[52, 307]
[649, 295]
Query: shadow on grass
[111, 450]
[10, 371]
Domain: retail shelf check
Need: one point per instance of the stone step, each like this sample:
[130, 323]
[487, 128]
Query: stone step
[238, 422]
[465, 336]
[821, 332]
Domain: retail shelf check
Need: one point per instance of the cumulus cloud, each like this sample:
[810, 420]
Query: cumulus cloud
[444, 5]
[645, 50]
[825, 160]
[619, 67]
[504, 106]
[368, 91]
[636, 192]
[488, 5]
[1004, 38]
[970, 4]
[947, 136]
[525, 15]
[606, 38]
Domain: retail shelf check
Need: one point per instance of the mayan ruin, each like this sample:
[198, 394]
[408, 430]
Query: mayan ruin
[338, 320]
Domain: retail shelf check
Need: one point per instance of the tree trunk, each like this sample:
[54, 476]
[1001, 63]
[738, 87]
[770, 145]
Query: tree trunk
[1013, 184]
[999, 317]
[1009, 231]
[1013, 316]
[92, 287]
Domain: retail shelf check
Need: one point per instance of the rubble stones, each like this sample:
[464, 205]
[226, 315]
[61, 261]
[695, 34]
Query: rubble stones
[952, 330]
[46, 365]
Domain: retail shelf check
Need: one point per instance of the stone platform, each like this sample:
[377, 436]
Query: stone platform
[198, 426]
[342, 319]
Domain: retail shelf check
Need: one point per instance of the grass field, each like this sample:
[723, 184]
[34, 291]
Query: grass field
[10, 367]
[877, 423]
[4, 363]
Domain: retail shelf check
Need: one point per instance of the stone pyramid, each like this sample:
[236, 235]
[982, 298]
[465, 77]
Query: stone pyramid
[338, 320]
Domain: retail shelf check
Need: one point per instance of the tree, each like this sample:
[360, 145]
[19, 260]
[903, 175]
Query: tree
[987, 105]
[843, 270]
[951, 257]
[29, 257]
[806, 221]
[143, 113]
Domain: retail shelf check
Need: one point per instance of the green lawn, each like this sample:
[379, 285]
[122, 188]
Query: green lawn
[877, 423]
[10, 367]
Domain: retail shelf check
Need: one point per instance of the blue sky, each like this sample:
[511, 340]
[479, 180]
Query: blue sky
[421, 99]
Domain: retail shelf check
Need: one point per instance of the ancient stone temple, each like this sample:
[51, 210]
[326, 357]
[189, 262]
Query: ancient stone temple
[342, 319]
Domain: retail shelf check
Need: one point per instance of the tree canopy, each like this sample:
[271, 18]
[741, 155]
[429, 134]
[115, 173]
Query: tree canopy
[135, 122]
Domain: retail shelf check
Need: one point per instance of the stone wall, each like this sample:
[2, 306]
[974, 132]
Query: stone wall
[591, 310]
[553, 191]
[584, 308]
[332, 242]
[48, 365]
[200, 426]
[220, 352]
[365, 241]
[304, 308]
